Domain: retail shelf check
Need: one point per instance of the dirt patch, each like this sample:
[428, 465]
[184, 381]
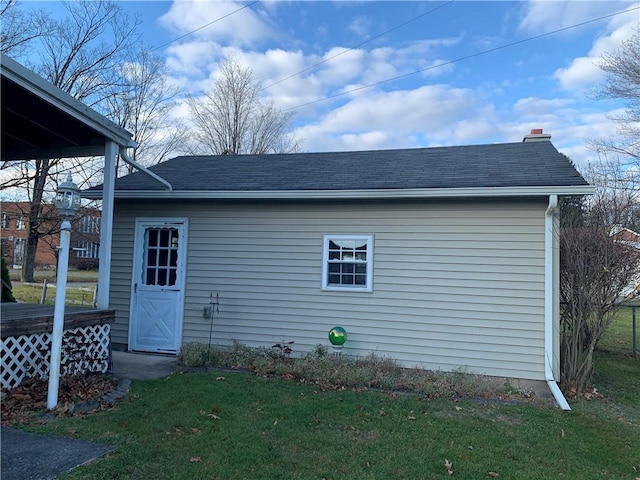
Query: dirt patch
[76, 395]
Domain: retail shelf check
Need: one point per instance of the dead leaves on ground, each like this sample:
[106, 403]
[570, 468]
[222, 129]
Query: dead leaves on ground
[30, 397]
[449, 466]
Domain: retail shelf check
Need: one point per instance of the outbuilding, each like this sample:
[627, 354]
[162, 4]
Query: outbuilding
[444, 258]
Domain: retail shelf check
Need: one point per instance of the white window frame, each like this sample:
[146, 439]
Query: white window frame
[368, 287]
[21, 223]
[87, 249]
[88, 224]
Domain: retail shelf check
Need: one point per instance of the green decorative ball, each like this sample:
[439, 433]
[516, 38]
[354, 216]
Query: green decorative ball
[337, 336]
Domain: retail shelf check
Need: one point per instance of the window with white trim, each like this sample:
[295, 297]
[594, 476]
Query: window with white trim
[5, 220]
[87, 249]
[348, 263]
[21, 224]
[89, 224]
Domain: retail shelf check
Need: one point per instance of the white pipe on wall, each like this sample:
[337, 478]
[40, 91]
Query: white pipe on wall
[549, 304]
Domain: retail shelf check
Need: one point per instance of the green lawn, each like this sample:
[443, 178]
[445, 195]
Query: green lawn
[199, 426]
[30, 293]
[215, 425]
[618, 338]
[90, 276]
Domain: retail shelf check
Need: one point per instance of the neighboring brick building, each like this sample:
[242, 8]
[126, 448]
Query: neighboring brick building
[85, 236]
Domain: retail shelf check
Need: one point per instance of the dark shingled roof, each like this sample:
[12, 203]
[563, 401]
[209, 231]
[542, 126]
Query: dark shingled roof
[523, 164]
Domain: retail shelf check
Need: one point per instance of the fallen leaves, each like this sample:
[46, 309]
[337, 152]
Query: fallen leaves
[449, 466]
[31, 396]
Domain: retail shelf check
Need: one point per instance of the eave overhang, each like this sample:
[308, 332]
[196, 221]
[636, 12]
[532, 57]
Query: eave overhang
[39, 120]
[476, 192]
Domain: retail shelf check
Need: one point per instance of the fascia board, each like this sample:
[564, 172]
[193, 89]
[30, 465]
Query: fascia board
[48, 92]
[476, 192]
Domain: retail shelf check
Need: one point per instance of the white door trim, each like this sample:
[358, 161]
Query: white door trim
[137, 267]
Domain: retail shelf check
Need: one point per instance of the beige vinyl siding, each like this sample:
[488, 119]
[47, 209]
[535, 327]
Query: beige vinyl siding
[456, 284]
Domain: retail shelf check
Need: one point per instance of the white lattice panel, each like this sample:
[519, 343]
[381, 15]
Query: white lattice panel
[84, 350]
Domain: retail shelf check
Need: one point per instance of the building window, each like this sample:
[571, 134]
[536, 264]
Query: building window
[20, 223]
[87, 249]
[88, 224]
[18, 252]
[5, 220]
[348, 263]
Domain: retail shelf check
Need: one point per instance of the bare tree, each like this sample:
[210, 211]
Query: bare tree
[595, 267]
[622, 82]
[80, 54]
[231, 118]
[144, 109]
[20, 28]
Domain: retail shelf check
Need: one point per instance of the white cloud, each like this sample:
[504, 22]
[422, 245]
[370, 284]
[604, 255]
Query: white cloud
[540, 16]
[583, 72]
[427, 115]
[239, 26]
[192, 58]
[360, 26]
[534, 106]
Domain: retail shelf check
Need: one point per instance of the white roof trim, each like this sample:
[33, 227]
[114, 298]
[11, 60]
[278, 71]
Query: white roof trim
[350, 194]
[63, 101]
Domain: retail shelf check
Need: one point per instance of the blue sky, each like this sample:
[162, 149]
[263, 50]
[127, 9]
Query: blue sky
[491, 97]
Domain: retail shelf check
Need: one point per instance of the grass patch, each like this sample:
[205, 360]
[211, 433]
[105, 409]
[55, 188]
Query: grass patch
[618, 337]
[30, 293]
[84, 276]
[229, 425]
[239, 426]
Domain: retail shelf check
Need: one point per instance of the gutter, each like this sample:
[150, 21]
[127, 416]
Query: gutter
[126, 158]
[549, 304]
[391, 193]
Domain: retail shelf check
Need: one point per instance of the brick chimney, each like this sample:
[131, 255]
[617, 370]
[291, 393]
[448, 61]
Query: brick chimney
[536, 135]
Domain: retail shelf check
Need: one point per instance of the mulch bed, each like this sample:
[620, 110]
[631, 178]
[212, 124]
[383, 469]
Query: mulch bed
[76, 394]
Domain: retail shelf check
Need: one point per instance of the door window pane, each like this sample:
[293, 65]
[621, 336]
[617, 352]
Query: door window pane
[161, 256]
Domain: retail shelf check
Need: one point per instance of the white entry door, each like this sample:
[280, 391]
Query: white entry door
[158, 285]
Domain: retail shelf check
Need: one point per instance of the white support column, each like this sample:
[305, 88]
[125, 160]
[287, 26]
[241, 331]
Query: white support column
[106, 223]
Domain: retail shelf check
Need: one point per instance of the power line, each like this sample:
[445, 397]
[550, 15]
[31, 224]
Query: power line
[466, 57]
[204, 26]
[358, 45]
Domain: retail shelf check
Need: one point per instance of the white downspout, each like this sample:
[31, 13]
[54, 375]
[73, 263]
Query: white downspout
[126, 158]
[549, 304]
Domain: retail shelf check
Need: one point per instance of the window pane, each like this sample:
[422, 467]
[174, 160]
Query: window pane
[162, 277]
[361, 279]
[348, 244]
[152, 237]
[347, 268]
[347, 279]
[334, 279]
[163, 259]
[361, 268]
[172, 276]
[334, 268]
[151, 277]
[151, 257]
[164, 238]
